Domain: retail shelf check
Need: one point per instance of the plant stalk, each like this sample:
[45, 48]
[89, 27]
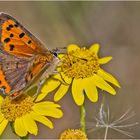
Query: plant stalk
[106, 132]
[82, 118]
[25, 137]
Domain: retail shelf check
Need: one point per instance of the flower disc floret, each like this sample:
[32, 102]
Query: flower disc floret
[80, 63]
[18, 107]
[73, 134]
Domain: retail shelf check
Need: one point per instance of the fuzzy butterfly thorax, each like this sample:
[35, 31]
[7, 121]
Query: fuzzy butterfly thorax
[22, 57]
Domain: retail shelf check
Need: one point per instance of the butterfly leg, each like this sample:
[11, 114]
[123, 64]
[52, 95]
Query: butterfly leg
[49, 71]
[42, 81]
[39, 88]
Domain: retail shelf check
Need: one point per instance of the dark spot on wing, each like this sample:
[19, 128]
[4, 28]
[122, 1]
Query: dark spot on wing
[0, 82]
[29, 42]
[11, 26]
[16, 25]
[31, 75]
[11, 35]
[6, 40]
[21, 35]
[26, 80]
[4, 87]
[17, 64]
[8, 28]
[11, 47]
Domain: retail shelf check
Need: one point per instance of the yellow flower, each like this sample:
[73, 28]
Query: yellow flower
[24, 111]
[73, 134]
[81, 71]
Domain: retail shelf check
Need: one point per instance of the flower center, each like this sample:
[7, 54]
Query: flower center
[18, 107]
[81, 63]
[73, 134]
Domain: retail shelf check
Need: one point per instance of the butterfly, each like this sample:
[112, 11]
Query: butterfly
[23, 58]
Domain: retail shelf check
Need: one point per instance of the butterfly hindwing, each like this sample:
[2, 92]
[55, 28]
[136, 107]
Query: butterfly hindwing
[13, 71]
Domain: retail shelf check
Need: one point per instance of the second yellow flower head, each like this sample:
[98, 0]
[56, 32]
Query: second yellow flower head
[81, 70]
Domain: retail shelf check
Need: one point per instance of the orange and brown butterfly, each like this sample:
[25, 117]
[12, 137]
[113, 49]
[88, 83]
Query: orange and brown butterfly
[23, 58]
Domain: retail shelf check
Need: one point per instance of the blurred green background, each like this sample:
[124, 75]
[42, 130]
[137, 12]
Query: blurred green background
[115, 25]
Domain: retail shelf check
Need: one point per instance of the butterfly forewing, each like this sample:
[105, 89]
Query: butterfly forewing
[23, 57]
[17, 40]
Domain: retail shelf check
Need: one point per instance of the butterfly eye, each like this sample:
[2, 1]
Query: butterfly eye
[55, 54]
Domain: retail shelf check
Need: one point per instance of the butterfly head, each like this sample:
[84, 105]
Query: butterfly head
[58, 51]
[55, 54]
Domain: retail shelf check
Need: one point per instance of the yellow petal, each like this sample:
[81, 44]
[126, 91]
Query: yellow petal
[66, 78]
[61, 92]
[108, 77]
[58, 77]
[19, 127]
[105, 60]
[72, 47]
[30, 124]
[1, 117]
[90, 89]
[1, 99]
[55, 113]
[58, 69]
[48, 104]
[61, 56]
[62, 78]
[78, 91]
[48, 86]
[3, 125]
[95, 48]
[99, 82]
[41, 119]
[47, 111]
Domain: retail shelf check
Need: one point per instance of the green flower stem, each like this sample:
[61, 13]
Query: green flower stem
[12, 127]
[82, 118]
[25, 137]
